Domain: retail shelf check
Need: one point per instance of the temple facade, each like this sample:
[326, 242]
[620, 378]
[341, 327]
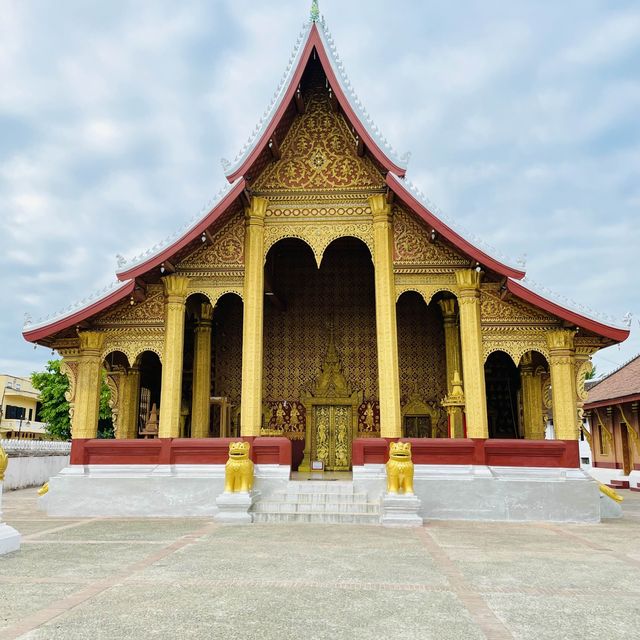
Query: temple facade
[321, 298]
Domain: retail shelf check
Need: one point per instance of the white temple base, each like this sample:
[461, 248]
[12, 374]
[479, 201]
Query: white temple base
[508, 494]
[141, 491]
[401, 510]
[233, 508]
[609, 508]
[9, 537]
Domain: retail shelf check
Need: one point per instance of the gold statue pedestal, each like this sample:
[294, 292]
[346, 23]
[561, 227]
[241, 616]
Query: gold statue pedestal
[234, 508]
[401, 510]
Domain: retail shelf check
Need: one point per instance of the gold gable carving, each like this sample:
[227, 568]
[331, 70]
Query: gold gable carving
[226, 249]
[412, 244]
[494, 309]
[319, 153]
[148, 312]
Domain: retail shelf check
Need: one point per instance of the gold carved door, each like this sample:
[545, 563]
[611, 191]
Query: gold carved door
[332, 441]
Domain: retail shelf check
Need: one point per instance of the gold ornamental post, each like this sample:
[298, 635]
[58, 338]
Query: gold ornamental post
[175, 291]
[89, 379]
[472, 355]
[201, 406]
[386, 327]
[563, 383]
[252, 329]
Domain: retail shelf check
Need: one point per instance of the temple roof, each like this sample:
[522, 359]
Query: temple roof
[621, 385]
[315, 42]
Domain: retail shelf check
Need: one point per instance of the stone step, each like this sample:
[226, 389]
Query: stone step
[318, 498]
[318, 486]
[316, 518]
[272, 506]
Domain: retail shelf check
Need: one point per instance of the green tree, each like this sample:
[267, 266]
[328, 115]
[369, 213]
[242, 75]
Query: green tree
[53, 384]
[591, 374]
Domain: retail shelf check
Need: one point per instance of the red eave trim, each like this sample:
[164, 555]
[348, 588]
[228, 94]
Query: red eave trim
[395, 184]
[82, 314]
[603, 330]
[188, 237]
[612, 402]
[314, 40]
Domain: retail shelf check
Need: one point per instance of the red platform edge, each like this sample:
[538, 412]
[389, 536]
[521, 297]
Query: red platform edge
[273, 450]
[177, 451]
[494, 453]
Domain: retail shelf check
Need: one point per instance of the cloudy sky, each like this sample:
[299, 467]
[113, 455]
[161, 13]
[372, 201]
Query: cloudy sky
[522, 119]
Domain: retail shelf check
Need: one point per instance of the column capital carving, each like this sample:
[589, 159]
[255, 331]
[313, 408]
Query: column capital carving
[380, 208]
[91, 341]
[560, 341]
[206, 313]
[256, 211]
[448, 307]
[175, 288]
[469, 282]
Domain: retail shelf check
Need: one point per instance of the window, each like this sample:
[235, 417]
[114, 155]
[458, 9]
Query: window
[30, 414]
[15, 413]
[584, 460]
[18, 386]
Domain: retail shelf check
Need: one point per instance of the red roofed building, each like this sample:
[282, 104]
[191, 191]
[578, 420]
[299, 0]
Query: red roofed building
[612, 410]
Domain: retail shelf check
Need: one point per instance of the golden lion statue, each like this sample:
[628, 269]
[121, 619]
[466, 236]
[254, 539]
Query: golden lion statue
[238, 472]
[4, 462]
[400, 468]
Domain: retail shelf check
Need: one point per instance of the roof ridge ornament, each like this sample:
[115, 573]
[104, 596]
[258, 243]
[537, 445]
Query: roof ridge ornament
[315, 11]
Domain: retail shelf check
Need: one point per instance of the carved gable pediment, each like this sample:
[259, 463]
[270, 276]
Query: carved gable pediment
[148, 312]
[494, 309]
[225, 251]
[412, 244]
[319, 153]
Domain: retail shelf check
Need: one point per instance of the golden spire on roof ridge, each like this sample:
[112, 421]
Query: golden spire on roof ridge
[315, 11]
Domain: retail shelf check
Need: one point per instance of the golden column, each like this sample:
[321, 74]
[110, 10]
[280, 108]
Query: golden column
[252, 329]
[130, 402]
[532, 406]
[175, 291]
[472, 355]
[451, 340]
[563, 383]
[201, 405]
[88, 385]
[386, 327]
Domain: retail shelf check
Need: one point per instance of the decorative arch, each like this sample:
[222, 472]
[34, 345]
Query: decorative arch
[514, 348]
[114, 348]
[426, 291]
[318, 235]
[140, 349]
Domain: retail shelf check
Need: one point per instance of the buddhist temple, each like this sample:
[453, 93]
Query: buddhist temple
[322, 301]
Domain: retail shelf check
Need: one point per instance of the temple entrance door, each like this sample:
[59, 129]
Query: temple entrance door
[332, 436]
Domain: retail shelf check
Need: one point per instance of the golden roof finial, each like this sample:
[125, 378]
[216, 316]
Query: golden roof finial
[315, 11]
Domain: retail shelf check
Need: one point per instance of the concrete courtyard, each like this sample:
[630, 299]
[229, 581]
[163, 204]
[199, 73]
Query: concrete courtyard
[189, 578]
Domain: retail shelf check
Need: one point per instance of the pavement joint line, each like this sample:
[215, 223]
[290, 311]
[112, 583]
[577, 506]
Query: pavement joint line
[623, 557]
[133, 542]
[63, 527]
[472, 600]
[73, 600]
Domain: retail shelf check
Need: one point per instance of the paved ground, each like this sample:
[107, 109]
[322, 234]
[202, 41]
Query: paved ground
[108, 579]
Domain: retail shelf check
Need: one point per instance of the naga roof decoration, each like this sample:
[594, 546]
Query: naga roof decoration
[316, 38]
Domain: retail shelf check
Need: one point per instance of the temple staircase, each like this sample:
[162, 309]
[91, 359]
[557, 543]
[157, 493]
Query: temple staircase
[319, 502]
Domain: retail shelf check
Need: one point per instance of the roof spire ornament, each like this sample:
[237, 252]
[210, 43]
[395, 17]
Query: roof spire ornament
[315, 11]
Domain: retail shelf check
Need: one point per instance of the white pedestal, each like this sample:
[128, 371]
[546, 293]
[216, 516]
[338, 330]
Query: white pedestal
[9, 537]
[609, 508]
[401, 510]
[233, 508]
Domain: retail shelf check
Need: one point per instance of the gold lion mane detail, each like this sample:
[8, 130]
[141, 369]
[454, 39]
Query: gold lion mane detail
[400, 468]
[238, 472]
